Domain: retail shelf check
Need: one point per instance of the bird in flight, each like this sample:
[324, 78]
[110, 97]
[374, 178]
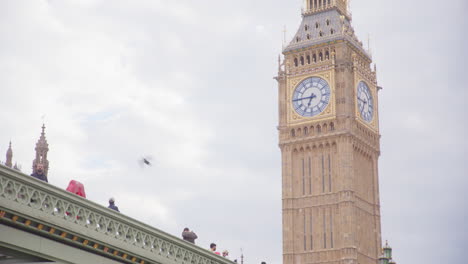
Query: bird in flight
[146, 161]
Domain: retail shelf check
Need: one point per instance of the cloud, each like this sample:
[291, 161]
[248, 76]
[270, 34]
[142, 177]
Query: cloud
[190, 83]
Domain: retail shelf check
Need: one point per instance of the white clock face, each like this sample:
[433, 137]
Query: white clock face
[311, 97]
[365, 102]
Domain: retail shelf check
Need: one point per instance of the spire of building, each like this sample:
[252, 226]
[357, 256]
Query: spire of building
[9, 157]
[42, 147]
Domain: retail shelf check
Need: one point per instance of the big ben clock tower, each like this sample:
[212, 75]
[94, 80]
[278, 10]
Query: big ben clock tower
[330, 142]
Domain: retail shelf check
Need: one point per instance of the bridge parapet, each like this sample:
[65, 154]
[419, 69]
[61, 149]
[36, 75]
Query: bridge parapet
[37, 207]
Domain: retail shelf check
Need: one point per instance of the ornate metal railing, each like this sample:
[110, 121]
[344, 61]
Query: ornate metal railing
[46, 210]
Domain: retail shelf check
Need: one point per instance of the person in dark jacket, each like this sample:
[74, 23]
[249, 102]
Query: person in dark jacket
[39, 173]
[112, 205]
[189, 236]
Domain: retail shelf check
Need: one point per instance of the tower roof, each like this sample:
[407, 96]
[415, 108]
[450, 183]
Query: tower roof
[324, 26]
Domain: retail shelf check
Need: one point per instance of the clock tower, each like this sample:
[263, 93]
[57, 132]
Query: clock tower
[330, 142]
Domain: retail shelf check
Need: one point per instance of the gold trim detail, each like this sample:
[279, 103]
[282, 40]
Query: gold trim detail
[373, 125]
[329, 112]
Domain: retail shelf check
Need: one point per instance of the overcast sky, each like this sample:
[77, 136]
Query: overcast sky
[191, 84]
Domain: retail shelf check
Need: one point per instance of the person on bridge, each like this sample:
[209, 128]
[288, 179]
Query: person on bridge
[112, 205]
[213, 249]
[39, 173]
[189, 236]
[77, 188]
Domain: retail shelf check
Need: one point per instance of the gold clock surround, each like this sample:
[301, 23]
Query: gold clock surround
[373, 125]
[330, 110]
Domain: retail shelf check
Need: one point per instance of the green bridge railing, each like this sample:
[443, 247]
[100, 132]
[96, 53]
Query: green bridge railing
[35, 206]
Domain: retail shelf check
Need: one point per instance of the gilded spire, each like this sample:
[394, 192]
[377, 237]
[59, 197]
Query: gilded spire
[42, 147]
[9, 157]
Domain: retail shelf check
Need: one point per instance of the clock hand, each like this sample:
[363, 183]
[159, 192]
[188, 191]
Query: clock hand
[300, 99]
[310, 100]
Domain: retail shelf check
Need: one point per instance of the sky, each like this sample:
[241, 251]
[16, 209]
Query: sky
[190, 84]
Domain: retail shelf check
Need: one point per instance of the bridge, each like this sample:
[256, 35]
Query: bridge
[41, 223]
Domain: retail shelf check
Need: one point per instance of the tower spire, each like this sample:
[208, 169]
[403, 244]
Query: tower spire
[42, 148]
[9, 157]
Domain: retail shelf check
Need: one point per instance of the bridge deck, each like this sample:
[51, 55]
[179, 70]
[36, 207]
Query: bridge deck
[35, 207]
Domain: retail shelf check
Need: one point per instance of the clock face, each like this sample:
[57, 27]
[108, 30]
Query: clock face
[311, 97]
[365, 102]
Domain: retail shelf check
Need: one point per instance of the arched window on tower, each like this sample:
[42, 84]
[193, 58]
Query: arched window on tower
[308, 59]
[314, 58]
[306, 131]
[293, 133]
[296, 63]
[320, 56]
[319, 129]
[327, 55]
[302, 60]
[332, 126]
[332, 31]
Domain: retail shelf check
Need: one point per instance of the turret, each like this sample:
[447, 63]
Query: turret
[42, 147]
[9, 157]
[387, 251]
[383, 260]
[386, 257]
